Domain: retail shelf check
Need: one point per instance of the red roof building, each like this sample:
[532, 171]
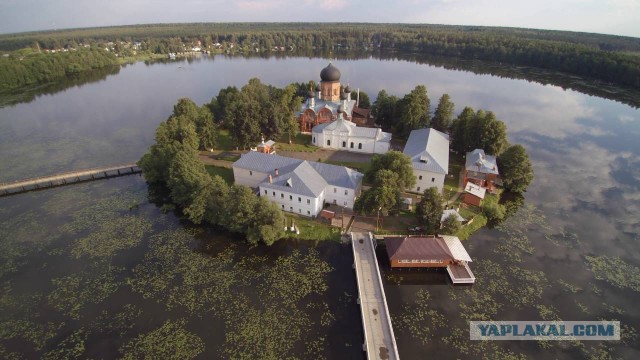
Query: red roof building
[443, 252]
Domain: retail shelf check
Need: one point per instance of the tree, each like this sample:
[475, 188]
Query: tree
[268, 223]
[242, 118]
[190, 184]
[364, 102]
[443, 116]
[494, 212]
[494, 135]
[173, 135]
[516, 170]
[396, 162]
[414, 111]
[218, 104]
[429, 210]
[384, 110]
[383, 196]
[458, 127]
[450, 225]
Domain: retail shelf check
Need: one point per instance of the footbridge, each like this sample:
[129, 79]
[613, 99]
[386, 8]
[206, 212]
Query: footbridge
[67, 178]
[379, 340]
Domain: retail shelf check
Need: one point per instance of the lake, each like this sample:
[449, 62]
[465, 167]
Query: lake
[98, 269]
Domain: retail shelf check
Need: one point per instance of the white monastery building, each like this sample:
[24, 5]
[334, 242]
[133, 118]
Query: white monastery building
[298, 186]
[342, 134]
[429, 153]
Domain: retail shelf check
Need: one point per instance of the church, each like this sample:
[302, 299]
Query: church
[332, 117]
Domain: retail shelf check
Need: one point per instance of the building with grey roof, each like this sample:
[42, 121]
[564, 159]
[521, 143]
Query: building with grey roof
[342, 134]
[298, 186]
[481, 169]
[429, 152]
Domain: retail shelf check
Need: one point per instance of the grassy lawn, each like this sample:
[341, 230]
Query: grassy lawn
[224, 140]
[311, 229]
[361, 167]
[301, 142]
[456, 163]
[225, 173]
[227, 157]
[400, 222]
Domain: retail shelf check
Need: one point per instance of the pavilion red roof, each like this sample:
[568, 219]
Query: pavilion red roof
[417, 248]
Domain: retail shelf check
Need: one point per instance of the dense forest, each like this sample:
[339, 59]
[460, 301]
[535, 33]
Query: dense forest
[16, 71]
[613, 59]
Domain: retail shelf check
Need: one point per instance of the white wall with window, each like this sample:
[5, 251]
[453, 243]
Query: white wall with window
[427, 179]
[292, 202]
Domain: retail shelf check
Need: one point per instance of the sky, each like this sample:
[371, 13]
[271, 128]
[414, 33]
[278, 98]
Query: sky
[619, 17]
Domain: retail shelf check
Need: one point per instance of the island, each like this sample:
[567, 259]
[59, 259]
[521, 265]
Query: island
[302, 162]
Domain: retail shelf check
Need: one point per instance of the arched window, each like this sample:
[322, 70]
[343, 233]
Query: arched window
[344, 144]
[360, 146]
[328, 142]
[307, 120]
[352, 144]
[324, 116]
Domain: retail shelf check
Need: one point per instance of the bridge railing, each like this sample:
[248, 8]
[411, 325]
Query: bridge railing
[384, 297]
[71, 173]
[360, 291]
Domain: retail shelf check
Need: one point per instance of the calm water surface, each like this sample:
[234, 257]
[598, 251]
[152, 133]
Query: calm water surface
[570, 253]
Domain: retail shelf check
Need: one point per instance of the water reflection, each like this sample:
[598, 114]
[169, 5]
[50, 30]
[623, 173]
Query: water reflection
[583, 202]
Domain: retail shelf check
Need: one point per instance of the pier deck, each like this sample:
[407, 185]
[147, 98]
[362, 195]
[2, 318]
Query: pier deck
[380, 342]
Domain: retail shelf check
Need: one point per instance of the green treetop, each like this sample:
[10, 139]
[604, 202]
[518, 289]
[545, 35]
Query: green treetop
[443, 116]
[429, 210]
[516, 170]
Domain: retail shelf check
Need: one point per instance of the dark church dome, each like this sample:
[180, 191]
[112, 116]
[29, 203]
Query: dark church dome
[343, 96]
[330, 73]
[318, 88]
[347, 89]
[311, 94]
[341, 109]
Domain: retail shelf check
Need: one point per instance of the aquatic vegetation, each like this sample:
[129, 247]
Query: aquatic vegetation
[569, 287]
[99, 211]
[564, 238]
[118, 323]
[75, 291]
[548, 312]
[20, 236]
[515, 243]
[613, 309]
[175, 275]
[72, 347]
[582, 307]
[292, 278]
[419, 318]
[111, 236]
[170, 341]
[268, 333]
[615, 271]
[34, 332]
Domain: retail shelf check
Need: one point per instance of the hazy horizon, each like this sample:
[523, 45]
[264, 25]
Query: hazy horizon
[612, 17]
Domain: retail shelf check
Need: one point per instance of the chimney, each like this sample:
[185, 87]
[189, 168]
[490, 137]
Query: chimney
[270, 179]
[276, 172]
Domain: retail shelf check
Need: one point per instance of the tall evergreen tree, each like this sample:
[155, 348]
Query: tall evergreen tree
[443, 116]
